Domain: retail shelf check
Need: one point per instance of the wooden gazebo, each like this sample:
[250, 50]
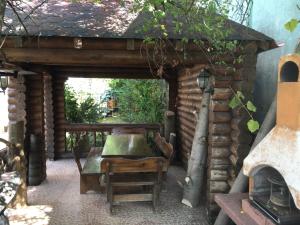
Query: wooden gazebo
[102, 40]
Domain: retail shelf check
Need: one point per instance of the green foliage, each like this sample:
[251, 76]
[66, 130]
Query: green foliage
[238, 101]
[251, 107]
[253, 125]
[71, 106]
[291, 25]
[140, 100]
[191, 20]
[86, 111]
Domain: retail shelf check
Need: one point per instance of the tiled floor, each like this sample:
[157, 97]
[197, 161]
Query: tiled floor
[57, 201]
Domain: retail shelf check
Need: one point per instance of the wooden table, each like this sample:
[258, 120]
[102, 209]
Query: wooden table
[130, 166]
[127, 146]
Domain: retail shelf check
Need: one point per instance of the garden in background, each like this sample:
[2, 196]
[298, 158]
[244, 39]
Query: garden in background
[122, 100]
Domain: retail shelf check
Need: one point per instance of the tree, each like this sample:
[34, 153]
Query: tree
[140, 100]
[188, 19]
[2, 10]
[86, 111]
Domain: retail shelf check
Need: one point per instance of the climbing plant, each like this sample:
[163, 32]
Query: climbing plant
[239, 100]
[293, 23]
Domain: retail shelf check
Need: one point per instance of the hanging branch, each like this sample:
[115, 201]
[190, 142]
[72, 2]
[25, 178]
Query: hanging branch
[17, 15]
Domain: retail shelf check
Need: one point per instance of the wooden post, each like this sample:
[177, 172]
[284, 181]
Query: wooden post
[35, 116]
[169, 124]
[16, 136]
[197, 161]
[59, 115]
[241, 182]
[48, 111]
[173, 92]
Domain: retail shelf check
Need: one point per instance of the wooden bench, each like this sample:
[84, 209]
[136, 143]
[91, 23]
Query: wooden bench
[132, 173]
[90, 173]
[165, 148]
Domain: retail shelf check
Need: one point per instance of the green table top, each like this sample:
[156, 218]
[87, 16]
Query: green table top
[127, 145]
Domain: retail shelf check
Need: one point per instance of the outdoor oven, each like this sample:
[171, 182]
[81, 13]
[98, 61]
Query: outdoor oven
[273, 166]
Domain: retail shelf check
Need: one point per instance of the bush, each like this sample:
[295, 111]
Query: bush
[87, 111]
[140, 100]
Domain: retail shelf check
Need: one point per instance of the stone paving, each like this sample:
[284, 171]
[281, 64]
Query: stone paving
[57, 201]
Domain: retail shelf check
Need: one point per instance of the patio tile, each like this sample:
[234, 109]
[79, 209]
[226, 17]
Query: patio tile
[57, 202]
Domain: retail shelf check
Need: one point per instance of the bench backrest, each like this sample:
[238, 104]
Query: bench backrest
[128, 130]
[76, 153]
[165, 147]
[122, 165]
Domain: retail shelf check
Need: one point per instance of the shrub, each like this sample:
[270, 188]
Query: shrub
[140, 100]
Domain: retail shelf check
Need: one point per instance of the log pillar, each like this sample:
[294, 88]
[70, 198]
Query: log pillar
[173, 92]
[16, 99]
[35, 118]
[48, 117]
[16, 115]
[58, 83]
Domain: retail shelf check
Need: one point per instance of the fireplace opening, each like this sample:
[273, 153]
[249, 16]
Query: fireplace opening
[270, 194]
[289, 72]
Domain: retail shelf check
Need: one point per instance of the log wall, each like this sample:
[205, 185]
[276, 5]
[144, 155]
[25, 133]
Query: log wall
[229, 139]
[17, 120]
[35, 115]
[58, 85]
[49, 123]
[16, 99]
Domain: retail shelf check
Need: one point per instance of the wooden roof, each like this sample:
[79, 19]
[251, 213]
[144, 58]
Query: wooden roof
[103, 20]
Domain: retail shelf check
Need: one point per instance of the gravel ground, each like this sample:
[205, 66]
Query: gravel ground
[57, 201]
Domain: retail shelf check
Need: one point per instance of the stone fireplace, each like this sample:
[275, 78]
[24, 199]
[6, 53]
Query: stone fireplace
[273, 166]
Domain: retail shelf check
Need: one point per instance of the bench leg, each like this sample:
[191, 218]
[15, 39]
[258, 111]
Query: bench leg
[110, 199]
[155, 197]
[90, 183]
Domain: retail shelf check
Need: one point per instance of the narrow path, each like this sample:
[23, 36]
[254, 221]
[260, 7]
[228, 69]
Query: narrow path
[57, 202]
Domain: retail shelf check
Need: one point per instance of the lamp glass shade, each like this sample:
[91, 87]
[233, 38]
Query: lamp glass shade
[202, 79]
[3, 83]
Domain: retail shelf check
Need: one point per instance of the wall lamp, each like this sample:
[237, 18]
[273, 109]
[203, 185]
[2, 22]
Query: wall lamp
[4, 74]
[203, 79]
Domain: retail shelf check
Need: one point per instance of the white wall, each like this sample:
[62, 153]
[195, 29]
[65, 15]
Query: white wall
[269, 17]
[3, 117]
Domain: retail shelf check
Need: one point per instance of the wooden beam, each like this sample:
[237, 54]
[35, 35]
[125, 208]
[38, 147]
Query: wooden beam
[103, 58]
[107, 43]
[101, 72]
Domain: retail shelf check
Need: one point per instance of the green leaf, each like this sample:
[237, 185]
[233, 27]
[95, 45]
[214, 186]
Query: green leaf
[253, 125]
[291, 25]
[240, 95]
[234, 102]
[251, 107]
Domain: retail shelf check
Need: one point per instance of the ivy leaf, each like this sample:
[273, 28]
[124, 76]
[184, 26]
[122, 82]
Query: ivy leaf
[253, 125]
[291, 25]
[240, 95]
[234, 102]
[251, 107]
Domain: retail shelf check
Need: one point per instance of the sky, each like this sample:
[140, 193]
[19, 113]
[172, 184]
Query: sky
[94, 86]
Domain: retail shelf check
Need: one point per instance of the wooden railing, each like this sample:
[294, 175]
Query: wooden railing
[87, 135]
